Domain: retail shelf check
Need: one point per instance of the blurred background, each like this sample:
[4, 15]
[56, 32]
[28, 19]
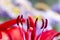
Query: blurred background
[46, 9]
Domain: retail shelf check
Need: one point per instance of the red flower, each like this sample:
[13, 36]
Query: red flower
[17, 33]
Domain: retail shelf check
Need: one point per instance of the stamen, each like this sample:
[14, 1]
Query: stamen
[28, 25]
[21, 20]
[36, 21]
[46, 23]
[18, 20]
[42, 24]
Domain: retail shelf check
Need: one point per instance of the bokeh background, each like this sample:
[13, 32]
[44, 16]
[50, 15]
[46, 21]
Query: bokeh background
[46, 9]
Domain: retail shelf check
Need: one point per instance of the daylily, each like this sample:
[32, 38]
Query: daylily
[10, 32]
